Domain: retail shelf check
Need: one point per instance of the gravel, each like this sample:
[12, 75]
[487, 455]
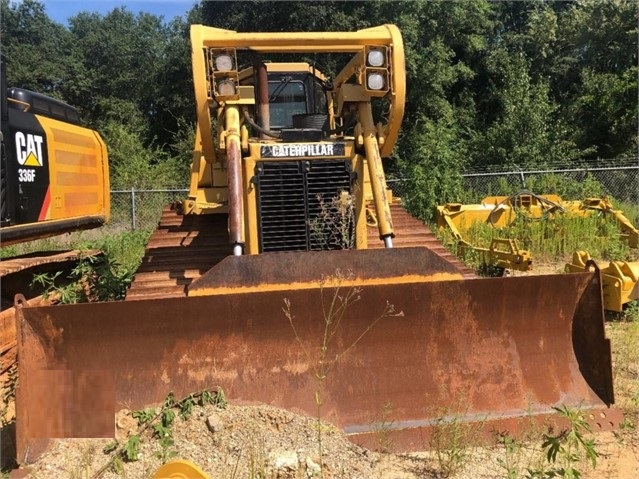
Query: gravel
[251, 442]
[231, 442]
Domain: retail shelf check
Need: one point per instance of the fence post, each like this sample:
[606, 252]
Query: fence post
[523, 178]
[133, 209]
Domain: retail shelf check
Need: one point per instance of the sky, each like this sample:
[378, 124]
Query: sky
[60, 10]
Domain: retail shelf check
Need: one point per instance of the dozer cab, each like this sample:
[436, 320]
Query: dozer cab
[287, 215]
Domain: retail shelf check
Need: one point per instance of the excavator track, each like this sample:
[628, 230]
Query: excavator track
[184, 247]
[16, 276]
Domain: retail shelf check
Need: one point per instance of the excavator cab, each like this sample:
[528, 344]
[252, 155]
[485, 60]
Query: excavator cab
[242, 289]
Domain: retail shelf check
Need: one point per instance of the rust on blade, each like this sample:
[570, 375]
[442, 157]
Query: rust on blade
[500, 347]
[300, 270]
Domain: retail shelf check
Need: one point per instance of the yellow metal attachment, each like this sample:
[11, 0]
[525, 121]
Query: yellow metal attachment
[620, 279]
[180, 469]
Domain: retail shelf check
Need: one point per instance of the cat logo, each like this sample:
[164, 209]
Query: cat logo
[29, 149]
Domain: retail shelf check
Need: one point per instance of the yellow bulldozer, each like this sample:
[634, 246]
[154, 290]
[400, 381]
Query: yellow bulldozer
[290, 256]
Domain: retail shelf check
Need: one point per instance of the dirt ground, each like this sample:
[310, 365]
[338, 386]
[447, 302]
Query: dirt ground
[265, 442]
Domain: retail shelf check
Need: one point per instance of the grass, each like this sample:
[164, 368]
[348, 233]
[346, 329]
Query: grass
[452, 440]
[124, 247]
[95, 278]
[624, 336]
[557, 239]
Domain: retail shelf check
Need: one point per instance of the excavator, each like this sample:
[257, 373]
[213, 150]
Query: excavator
[55, 180]
[291, 276]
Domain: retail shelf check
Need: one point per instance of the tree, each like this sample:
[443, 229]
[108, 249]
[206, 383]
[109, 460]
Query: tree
[603, 100]
[523, 128]
[40, 53]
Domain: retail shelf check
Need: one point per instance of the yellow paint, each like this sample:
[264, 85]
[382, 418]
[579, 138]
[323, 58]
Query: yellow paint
[349, 92]
[341, 282]
[32, 160]
[78, 171]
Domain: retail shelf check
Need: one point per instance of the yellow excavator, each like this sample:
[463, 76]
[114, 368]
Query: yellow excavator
[54, 180]
[290, 257]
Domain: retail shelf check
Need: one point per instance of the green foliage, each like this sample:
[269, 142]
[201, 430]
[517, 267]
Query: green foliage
[556, 238]
[452, 438]
[526, 130]
[488, 83]
[160, 423]
[335, 301]
[125, 249]
[433, 163]
[94, 279]
[131, 451]
[110, 447]
[509, 463]
[40, 54]
[567, 188]
[631, 312]
[137, 166]
[564, 451]
[144, 416]
[334, 225]
[604, 112]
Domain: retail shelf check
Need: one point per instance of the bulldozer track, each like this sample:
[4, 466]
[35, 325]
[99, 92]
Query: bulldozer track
[184, 247]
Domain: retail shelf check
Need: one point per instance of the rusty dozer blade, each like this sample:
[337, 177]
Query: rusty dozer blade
[487, 350]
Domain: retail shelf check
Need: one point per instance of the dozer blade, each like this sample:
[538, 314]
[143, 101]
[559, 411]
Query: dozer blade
[484, 350]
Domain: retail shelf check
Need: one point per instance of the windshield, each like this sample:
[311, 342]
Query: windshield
[287, 97]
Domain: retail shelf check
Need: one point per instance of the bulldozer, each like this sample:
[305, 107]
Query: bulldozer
[291, 256]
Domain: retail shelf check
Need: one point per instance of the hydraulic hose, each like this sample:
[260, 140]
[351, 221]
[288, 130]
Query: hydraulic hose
[271, 133]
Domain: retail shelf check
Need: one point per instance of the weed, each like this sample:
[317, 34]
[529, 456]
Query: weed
[334, 225]
[449, 442]
[509, 462]
[125, 248]
[383, 427]
[160, 423]
[452, 438]
[631, 311]
[514, 456]
[566, 450]
[257, 459]
[166, 452]
[82, 471]
[334, 307]
[131, 449]
[549, 238]
[95, 278]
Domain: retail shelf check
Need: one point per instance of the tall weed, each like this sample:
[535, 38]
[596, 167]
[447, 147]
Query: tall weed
[335, 301]
[556, 239]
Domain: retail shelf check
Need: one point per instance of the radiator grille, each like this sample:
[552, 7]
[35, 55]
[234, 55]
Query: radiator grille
[293, 196]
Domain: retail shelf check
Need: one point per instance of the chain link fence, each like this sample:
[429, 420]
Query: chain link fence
[140, 209]
[619, 182]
